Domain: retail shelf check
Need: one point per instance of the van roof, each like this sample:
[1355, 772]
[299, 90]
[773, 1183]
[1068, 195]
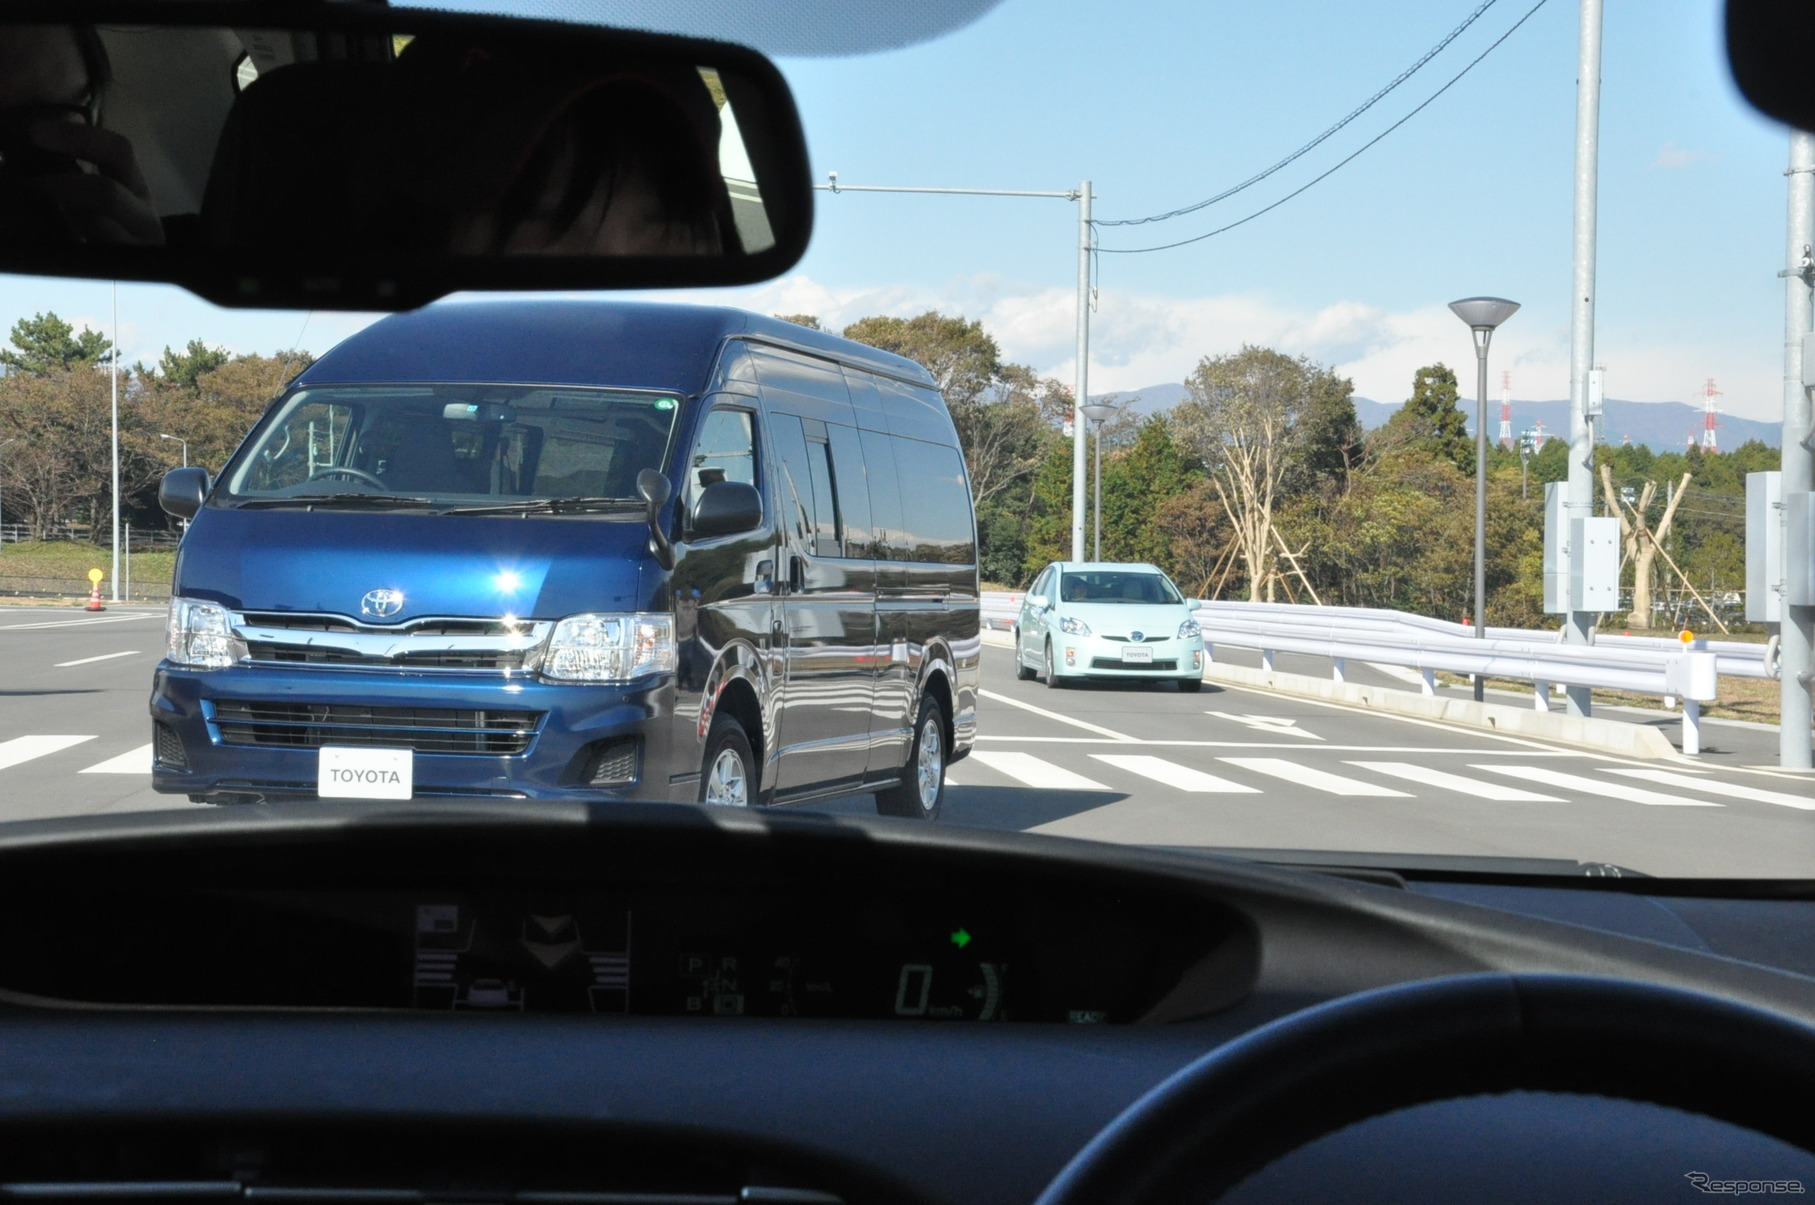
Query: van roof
[628, 344]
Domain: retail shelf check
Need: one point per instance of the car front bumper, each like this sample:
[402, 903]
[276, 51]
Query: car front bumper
[1102, 657]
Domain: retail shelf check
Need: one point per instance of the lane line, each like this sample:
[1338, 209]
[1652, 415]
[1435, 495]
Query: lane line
[1173, 774]
[1353, 709]
[1499, 792]
[1321, 780]
[1600, 787]
[78, 623]
[136, 762]
[25, 748]
[92, 660]
[1031, 771]
[1444, 749]
[1053, 715]
[1716, 787]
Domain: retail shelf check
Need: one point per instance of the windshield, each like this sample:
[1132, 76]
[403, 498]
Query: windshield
[1187, 322]
[454, 444]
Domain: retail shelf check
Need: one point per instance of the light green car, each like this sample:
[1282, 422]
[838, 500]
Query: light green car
[1088, 619]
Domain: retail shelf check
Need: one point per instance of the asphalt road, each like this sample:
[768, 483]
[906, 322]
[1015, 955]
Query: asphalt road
[1229, 769]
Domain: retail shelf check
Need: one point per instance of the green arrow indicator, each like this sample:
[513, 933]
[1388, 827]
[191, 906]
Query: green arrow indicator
[961, 939]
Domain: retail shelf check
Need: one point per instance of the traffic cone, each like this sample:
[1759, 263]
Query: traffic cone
[94, 598]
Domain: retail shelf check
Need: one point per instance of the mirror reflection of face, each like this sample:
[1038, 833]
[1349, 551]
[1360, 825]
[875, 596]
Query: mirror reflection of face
[42, 65]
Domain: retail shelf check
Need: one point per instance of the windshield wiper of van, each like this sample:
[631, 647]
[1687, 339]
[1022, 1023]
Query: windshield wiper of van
[547, 506]
[376, 501]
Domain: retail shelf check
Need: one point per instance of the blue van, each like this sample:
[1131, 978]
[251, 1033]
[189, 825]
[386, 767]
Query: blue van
[584, 550]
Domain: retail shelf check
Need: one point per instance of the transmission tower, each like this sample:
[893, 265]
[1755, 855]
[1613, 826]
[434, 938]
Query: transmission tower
[1506, 434]
[1709, 422]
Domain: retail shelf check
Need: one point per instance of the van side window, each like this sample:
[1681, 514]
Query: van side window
[804, 455]
[940, 527]
[850, 488]
[830, 541]
[887, 541]
[794, 479]
[724, 451]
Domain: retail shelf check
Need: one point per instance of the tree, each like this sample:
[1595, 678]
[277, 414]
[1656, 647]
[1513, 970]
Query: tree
[183, 367]
[962, 358]
[1431, 420]
[1245, 418]
[1137, 482]
[44, 343]
[223, 403]
[810, 321]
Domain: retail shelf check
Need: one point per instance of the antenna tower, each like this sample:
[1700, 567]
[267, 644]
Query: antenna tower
[1506, 435]
[1709, 393]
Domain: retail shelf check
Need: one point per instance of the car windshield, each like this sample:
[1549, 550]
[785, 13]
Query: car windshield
[453, 444]
[1180, 276]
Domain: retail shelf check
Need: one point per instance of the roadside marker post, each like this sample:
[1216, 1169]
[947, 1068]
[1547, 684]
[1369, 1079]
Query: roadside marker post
[94, 592]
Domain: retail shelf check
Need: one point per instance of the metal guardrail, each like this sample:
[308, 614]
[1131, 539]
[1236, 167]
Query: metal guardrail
[1638, 664]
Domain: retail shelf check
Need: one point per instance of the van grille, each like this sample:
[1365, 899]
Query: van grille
[298, 654]
[424, 729]
[457, 644]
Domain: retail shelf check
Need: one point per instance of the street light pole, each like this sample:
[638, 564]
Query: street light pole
[1080, 194]
[1482, 314]
[1098, 413]
[180, 440]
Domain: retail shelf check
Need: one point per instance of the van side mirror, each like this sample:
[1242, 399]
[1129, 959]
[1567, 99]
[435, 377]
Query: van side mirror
[182, 491]
[726, 508]
[655, 491]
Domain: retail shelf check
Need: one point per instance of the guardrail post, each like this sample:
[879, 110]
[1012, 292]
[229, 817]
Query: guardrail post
[1339, 668]
[1692, 727]
[1540, 696]
[1429, 681]
[1266, 659]
[1209, 653]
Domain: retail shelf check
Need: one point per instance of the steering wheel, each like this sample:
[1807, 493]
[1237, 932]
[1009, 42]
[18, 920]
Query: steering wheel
[1279, 1087]
[346, 470]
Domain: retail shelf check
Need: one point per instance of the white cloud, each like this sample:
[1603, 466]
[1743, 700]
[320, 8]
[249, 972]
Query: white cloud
[1671, 157]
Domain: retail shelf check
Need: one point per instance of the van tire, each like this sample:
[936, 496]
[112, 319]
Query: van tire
[728, 773]
[921, 792]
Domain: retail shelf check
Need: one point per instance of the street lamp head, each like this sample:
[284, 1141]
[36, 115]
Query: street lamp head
[1484, 313]
[1098, 412]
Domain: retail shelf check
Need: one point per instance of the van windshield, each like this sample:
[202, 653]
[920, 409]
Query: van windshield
[465, 446]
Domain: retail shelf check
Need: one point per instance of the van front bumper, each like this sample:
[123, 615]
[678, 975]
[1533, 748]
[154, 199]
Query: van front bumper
[250, 733]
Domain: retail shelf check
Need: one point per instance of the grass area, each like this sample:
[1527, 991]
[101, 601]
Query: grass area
[69, 562]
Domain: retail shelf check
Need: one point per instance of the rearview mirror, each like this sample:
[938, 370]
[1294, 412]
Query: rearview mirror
[1768, 45]
[354, 156]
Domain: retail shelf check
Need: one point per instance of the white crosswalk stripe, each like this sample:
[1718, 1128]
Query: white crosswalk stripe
[136, 762]
[26, 748]
[1032, 771]
[1173, 774]
[1604, 789]
[1321, 780]
[1473, 787]
[1730, 790]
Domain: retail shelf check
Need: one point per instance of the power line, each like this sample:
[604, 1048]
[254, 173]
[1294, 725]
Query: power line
[1315, 142]
[1344, 162]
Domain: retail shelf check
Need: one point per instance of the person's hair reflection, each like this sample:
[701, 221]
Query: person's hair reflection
[63, 177]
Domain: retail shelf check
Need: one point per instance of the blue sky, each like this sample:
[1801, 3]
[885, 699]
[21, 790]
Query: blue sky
[1161, 104]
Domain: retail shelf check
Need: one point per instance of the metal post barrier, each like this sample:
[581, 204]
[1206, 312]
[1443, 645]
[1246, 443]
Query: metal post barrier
[1339, 669]
[1540, 696]
[1692, 727]
[1266, 660]
[1428, 680]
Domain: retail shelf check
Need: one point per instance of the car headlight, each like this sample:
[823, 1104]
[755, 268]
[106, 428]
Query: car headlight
[200, 635]
[610, 648]
[1189, 630]
[1074, 627]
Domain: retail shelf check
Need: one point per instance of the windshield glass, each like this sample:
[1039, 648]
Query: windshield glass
[455, 444]
[1112, 586]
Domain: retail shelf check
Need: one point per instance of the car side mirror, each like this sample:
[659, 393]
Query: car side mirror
[183, 491]
[1038, 602]
[1193, 603]
[725, 508]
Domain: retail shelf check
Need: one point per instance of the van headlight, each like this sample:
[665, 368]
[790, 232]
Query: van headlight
[199, 635]
[1189, 630]
[610, 648]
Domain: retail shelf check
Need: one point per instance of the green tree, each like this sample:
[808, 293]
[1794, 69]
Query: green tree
[184, 367]
[810, 321]
[44, 343]
[961, 356]
[1137, 482]
[1431, 420]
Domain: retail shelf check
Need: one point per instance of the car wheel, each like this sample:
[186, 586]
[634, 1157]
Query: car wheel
[1190, 686]
[1023, 671]
[728, 775]
[1053, 681]
[921, 791]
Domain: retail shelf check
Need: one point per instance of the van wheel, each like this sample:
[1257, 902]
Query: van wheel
[1053, 681]
[1023, 671]
[921, 791]
[728, 775]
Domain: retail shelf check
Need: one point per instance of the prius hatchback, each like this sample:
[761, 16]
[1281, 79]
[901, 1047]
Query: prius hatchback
[1086, 619]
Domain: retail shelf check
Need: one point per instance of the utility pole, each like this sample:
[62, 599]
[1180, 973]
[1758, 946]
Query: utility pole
[1080, 194]
[1578, 497]
[115, 360]
[1796, 632]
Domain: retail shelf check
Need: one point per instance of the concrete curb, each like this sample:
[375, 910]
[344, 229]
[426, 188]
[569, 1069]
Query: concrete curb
[1606, 736]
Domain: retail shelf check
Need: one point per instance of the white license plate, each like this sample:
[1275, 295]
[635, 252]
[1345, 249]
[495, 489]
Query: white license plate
[347, 773]
[1137, 656]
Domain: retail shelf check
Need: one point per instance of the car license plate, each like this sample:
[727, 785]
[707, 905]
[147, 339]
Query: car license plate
[1137, 656]
[346, 773]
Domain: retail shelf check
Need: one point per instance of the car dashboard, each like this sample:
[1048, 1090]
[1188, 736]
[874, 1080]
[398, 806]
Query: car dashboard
[571, 1005]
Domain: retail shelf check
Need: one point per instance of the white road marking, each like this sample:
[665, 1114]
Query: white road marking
[1053, 715]
[1031, 771]
[1729, 789]
[1451, 750]
[1480, 788]
[1305, 776]
[136, 762]
[80, 623]
[25, 748]
[1173, 774]
[1274, 724]
[1356, 709]
[92, 660]
[1606, 790]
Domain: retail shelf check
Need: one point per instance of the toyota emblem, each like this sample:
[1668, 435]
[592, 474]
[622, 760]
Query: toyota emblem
[1137, 637]
[381, 604]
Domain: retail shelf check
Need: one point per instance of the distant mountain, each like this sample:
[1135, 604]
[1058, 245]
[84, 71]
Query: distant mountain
[1664, 426]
